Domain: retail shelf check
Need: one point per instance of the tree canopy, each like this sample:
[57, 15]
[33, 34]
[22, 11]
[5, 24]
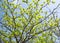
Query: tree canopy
[28, 24]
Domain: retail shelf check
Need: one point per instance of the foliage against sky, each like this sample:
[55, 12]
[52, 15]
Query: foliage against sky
[32, 24]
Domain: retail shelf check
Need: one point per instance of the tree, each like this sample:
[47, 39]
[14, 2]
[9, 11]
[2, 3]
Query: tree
[28, 25]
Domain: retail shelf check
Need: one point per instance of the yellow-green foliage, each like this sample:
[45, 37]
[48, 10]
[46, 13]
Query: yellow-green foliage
[28, 25]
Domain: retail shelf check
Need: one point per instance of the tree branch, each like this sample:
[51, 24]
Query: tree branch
[6, 27]
[45, 17]
[41, 22]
